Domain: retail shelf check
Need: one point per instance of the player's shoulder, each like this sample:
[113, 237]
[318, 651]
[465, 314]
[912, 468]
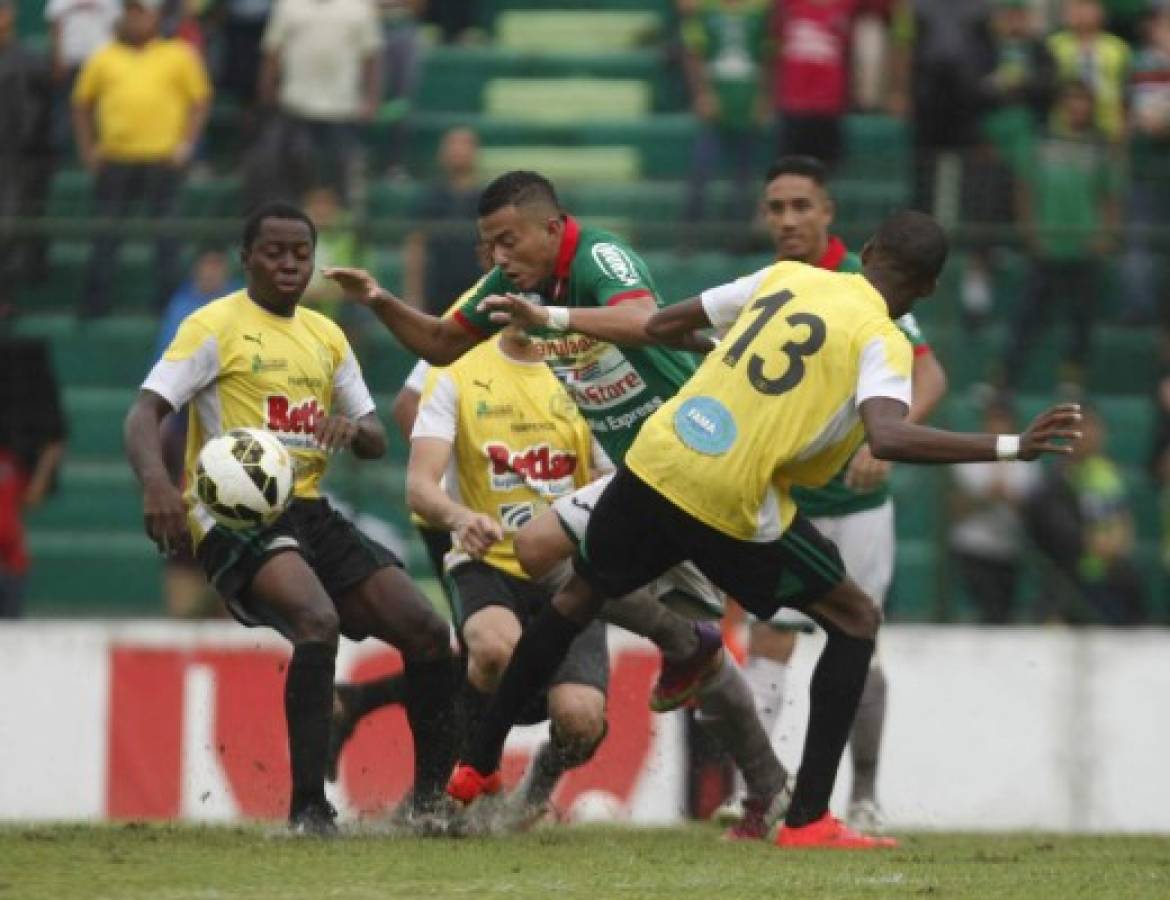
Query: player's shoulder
[607, 254]
[221, 316]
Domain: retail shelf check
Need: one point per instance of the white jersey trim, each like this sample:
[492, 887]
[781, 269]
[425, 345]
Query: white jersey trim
[438, 415]
[876, 378]
[178, 380]
[417, 379]
[724, 303]
[351, 397]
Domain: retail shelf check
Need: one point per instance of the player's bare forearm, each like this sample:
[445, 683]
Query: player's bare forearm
[929, 386]
[892, 437]
[370, 440]
[142, 438]
[424, 484]
[404, 411]
[439, 341]
[623, 324]
[677, 324]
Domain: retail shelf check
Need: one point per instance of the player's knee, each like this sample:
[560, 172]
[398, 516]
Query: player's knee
[579, 721]
[429, 641]
[318, 623]
[488, 658]
[537, 549]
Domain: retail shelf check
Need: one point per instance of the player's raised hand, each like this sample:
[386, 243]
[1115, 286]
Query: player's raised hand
[866, 472]
[477, 532]
[357, 284]
[165, 516]
[510, 309]
[1056, 430]
[335, 433]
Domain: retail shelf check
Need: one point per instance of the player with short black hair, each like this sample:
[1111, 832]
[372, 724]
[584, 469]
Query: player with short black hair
[811, 365]
[258, 359]
[854, 509]
[586, 296]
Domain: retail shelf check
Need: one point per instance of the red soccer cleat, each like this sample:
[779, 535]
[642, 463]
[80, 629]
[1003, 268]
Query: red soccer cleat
[466, 783]
[830, 834]
[681, 681]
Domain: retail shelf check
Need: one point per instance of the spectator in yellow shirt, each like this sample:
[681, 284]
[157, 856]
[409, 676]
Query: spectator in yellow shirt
[139, 107]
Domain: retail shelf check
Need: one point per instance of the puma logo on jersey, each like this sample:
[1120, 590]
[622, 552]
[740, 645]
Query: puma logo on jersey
[257, 338]
[486, 385]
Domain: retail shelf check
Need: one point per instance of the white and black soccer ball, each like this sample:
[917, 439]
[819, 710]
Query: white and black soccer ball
[244, 478]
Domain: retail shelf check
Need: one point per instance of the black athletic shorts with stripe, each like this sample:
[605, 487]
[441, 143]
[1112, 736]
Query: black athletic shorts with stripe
[475, 586]
[635, 534]
[335, 549]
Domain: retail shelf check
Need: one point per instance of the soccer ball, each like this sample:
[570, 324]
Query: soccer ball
[244, 478]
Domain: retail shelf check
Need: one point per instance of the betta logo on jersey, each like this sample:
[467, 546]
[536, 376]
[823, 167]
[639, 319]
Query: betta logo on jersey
[541, 468]
[294, 425]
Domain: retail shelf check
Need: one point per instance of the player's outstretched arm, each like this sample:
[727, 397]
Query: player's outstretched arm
[891, 436]
[425, 496]
[438, 341]
[623, 324]
[164, 514]
[679, 326]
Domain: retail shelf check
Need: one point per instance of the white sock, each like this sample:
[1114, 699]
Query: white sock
[767, 679]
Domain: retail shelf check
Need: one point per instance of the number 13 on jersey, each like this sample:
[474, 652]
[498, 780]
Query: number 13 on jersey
[794, 350]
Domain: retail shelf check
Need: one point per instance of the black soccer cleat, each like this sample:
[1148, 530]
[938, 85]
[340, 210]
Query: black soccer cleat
[314, 820]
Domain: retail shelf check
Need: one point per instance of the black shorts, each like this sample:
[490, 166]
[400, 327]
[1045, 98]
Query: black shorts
[337, 552]
[635, 534]
[437, 542]
[475, 585]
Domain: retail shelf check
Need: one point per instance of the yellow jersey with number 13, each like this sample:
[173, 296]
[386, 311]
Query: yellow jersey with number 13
[776, 403]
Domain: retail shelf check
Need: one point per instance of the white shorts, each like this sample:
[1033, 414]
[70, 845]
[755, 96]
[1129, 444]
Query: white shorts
[866, 542]
[574, 510]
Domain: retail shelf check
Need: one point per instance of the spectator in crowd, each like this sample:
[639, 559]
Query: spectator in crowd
[1080, 519]
[1160, 457]
[185, 590]
[811, 78]
[441, 259]
[1083, 50]
[77, 30]
[321, 73]
[25, 154]
[943, 54]
[402, 55]
[1017, 95]
[139, 108]
[241, 28]
[1069, 211]
[456, 19]
[337, 245]
[1149, 190]
[32, 444]
[987, 537]
[725, 50]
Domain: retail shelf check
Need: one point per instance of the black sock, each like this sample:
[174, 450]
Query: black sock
[362, 699]
[430, 709]
[539, 651]
[835, 691]
[308, 708]
[473, 705]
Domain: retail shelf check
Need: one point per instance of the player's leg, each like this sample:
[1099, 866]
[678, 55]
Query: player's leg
[866, 542]
[353, 702]
[375, 598]
[676, 613]
[576, 710]
[625, 548]
[804, 569]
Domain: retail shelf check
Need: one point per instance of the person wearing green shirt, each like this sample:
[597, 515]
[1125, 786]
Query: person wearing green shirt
[854, 509]
[725, 51]
[1069, 199]
[586, 296]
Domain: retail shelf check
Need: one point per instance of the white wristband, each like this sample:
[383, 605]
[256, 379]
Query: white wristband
[1007, 446]
[558, 318]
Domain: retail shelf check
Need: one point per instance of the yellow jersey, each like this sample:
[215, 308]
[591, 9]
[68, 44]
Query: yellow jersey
[240, 366]
[143, 97]
[776, 403]
[518, 440]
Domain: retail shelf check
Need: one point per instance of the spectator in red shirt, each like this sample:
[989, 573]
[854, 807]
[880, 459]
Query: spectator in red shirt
[812, 73]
